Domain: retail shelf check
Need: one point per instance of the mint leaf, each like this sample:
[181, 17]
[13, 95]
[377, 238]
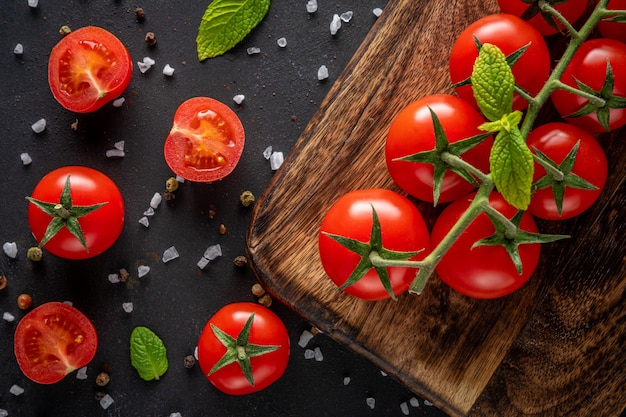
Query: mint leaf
[225, 23]
[511, 164]
[493, 82]
[147, 353]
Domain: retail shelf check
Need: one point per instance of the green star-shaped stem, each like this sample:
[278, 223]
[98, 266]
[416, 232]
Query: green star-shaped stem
[434, 157]
[611, 101]
[64, 214]
[535, 8]
[365, 249]
[560, 176]
[239, 350]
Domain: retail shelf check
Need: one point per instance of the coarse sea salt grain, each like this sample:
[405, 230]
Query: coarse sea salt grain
[170, 254]
[39, 126]
[253, 50]
[309, 354]
[127, 307]
[6, 316]
[428, 403]
[212, 252]
[347, 16]
[33, 3]
[114, 278]
[19, 49]
[414, 402]
[404, 407]
[371, 402]
[202, 263]
[26, 159]
[118, 102]
[119, 145]
[177, 414]
[156, 200]
[115, 153]
[82, 373]
[143, 67]
[335, 24]
[377, 11]
[318, 354]
[267, 152]
[168, 71]
[106, 401]
[346, 380]
[148, 61]
[149, 212]
[16, 390]
[142, 270]
[3, 412]
[144, 221]
[282, 42]
[239, 98]
[311, 6]
[305, 338]
[276, 160]
[10, 249]
[322, 73]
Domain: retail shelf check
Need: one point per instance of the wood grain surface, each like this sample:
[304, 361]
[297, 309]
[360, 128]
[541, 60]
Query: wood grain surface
[555, 347]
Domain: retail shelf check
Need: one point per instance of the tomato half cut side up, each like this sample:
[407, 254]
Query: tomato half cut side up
[53, 340]
[88, 68]
[205, 142]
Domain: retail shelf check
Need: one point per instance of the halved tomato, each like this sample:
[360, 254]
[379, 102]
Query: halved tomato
[53, 340]
[205, 142]
[88, 68]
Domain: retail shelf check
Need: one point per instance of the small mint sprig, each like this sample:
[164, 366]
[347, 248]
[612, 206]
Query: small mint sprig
[225, 23]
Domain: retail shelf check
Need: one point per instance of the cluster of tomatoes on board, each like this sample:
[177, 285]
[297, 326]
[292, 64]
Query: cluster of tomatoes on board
[76, 212]
[572, 173]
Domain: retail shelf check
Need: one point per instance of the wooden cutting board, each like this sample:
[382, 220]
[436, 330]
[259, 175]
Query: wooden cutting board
[556, 347]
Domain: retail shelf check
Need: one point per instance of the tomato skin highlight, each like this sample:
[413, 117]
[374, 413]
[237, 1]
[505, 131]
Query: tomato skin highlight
[101, 227]
[509, 33]
[205, 142]
[88, 68]
[484, 272]
[412, 131]
[588, 66]
[267, 329]
[556, 140]
[403, 229]
[571, 10]
[52, 340]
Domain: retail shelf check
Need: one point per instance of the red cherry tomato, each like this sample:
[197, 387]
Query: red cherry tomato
[613, 29]
[509, 33]
[485, 271]
[101, 227]
[267, 330]
[206, 140]
[88, 68]
[53, 340]
[570, 10]
[589, 66]
[402, 227]
[412, 131]
[556, 140]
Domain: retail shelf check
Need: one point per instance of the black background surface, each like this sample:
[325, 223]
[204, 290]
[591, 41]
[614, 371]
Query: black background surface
[175, 299]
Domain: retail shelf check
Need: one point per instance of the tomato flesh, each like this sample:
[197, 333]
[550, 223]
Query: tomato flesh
[205, 142]
[53, 340]
[88, 68]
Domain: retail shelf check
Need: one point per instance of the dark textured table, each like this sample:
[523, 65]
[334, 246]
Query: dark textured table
[176, 299]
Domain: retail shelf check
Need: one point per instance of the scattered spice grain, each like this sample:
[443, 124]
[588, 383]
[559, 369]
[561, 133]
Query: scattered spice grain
[3, 282]
[189, 361]
[24, 301]
[240, 261]
[34, 253]
[150, 38]
[102, 379]
[246, 198]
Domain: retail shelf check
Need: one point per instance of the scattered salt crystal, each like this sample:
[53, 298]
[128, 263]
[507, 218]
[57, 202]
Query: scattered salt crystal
[26, 159]
[3, 412]
[267, 152]
[195, 352]
[282, 42]
[16, 390]
[305, 338]
[148, 61]
[276, 160]
[114, 278]
[383, 373]
[142, 270]
[404, 407]
[168, 70]
[119, 145]
[127, 307]
[335, 24]
[170, 254]
[177, 414]
[33, 3]
[10, 248]
[347, 16]
[156, 200]
[180, 179]
[371, 402]
[118, 102]
[143, 67]
[8, 316]
[202, 263]
[318, 354]
[309, 354]
[19, 49]
[82, 373]
[253, 50]
[115, 153]
[39, 126]
[428, 403]
[346, 380]
[414, 402]
[144, 221]
[322, 73]
[149, 212]
[239, 98]
[311, 6]
[69, 303]
[213, 252]
[106, 401]
[377, 11]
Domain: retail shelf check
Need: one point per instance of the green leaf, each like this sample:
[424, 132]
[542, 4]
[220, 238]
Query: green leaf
[226, 23]
[147, 353]
[511, 164]
[493, 82]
